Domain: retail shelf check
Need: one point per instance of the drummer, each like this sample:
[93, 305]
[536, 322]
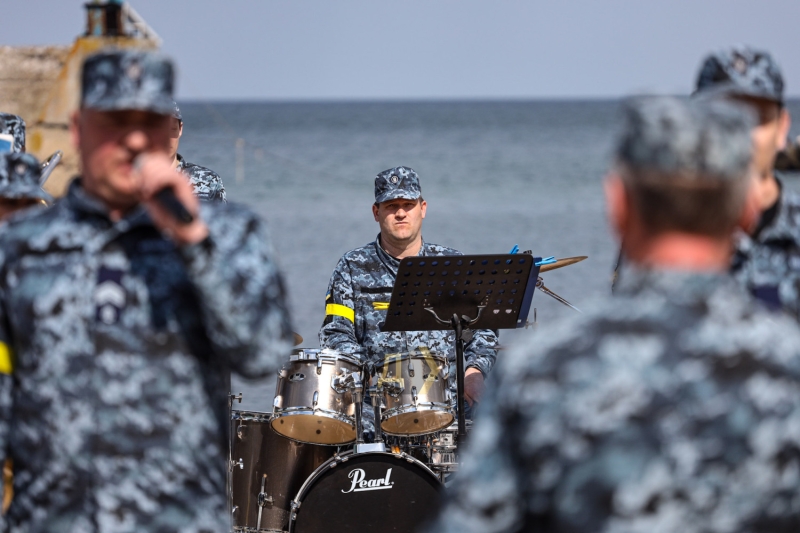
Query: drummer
[361, 285]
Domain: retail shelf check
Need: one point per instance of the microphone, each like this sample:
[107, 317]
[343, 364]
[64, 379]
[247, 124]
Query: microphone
[166, 198]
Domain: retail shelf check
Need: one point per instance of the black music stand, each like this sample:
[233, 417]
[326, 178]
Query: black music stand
[462, 292]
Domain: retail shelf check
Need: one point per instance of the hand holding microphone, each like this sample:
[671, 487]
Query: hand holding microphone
[168, 196]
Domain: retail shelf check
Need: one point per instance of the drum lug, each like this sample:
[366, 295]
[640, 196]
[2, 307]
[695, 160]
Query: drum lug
[411, 368]
[295, 506]
[319, 366]
[414, 394]
[238, 463]
[240, 432]
[232, 397]
[264, 499]
[315, 400]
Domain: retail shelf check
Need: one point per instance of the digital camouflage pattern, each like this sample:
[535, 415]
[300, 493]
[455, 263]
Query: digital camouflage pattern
[356, 303]
[398, 182]
[19, 177]
[15, 126]
[740, 71]
[666, 139]
[115, 80]
[768, 262]
[115, 347]
[673, 406]
[207, 184]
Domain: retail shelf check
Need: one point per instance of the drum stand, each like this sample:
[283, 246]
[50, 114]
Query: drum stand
[354, 383]
[497, 288]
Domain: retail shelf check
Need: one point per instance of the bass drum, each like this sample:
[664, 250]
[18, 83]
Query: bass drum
[373, 491]
[267, 471]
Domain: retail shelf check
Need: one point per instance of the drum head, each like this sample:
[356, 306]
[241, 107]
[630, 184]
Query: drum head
[314, 429]
[417, 422]
[368, 492]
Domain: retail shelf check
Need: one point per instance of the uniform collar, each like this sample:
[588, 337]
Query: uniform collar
[391, 262]
[683, 285]
[81, 202]
[181, 161]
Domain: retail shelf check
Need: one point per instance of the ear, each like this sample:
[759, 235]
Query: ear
[617, 204]
[423, 207]
[180, 130]
[375, 212]
[74, 129]
[784, 123]
[751, 211]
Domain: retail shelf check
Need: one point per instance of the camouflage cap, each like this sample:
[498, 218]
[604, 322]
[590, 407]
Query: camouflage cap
[176, 111]
[741, 71]
[398, 182]
[15, 126]
[116, 80]
[19, 177]
[686, 139]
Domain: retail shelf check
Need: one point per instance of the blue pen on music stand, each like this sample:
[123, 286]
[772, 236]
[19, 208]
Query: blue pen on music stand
[515, 249]
[546, 261]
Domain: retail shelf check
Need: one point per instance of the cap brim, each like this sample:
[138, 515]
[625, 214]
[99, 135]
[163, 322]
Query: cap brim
[723, 90]
[160, 106]
[32, 192]
[395, 195]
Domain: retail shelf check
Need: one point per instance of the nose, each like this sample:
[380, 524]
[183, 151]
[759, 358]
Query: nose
[136, 140]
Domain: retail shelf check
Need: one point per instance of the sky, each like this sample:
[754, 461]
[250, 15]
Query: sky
[435, 49]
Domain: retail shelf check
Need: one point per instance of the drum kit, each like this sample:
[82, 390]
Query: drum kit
[303, 467]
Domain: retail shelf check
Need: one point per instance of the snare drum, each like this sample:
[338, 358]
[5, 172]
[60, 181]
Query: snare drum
[444, 448]
[415, 393]
[267, 471]
[312, 402]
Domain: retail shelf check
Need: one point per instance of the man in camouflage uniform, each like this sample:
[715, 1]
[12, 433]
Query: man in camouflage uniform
[767, 260]
[13, 125]
[119, 325]
[361, 285]
[673, 406]
[206, 183]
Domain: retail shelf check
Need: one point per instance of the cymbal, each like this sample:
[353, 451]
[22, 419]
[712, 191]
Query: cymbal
[560, 263]
[298, 340]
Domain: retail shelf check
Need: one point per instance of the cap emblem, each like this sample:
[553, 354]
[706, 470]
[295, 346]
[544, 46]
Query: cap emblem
[134, 71]
[394, 178]
[20, 168]
[740, 65]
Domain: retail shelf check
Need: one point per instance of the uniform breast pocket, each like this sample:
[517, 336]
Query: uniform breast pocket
[371, 311]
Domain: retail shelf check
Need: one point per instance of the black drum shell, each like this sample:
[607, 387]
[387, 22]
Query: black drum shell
[327, 503]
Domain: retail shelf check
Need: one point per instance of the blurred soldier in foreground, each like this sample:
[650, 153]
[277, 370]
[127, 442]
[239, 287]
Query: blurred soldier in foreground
[119, 324]
[361, 285]
[673, 406]
[206, 183]
[19, 172]
[767, 260]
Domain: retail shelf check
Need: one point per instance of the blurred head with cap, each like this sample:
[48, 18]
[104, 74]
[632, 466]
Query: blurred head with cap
[126, 107]
[681, 182]
[399, 209]
[14, 126]
[19, 183]
[751, 77]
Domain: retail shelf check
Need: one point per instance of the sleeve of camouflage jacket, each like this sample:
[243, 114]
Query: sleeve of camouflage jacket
[481, 351]
[6, 384]
[241, 291]
[338, 331]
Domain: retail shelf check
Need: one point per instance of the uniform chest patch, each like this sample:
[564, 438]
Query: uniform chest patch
[109, 296]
